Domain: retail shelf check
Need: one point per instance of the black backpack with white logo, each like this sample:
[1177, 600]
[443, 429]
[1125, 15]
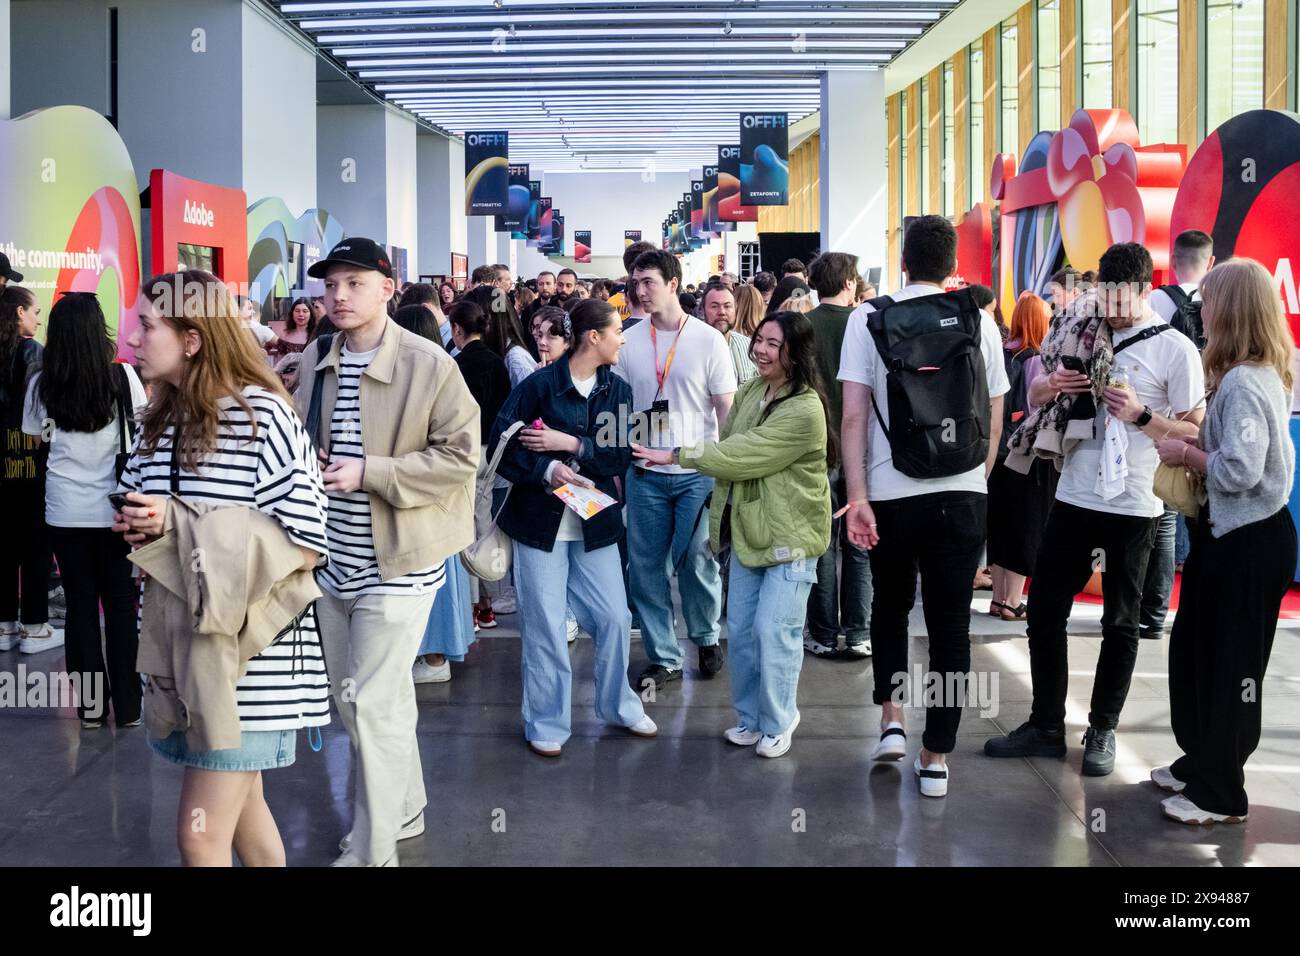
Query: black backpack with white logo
[936, 384]
[1187, 315]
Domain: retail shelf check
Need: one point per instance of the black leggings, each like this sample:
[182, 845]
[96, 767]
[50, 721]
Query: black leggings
[27, 556]
[97, 574]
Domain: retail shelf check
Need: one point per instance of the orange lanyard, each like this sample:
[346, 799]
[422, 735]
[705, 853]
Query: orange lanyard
[662, 374]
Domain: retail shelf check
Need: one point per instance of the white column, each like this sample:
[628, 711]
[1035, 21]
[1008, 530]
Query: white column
[853, 176]
[507, 252]
[482, 242]
[440, 169]
[352, 169]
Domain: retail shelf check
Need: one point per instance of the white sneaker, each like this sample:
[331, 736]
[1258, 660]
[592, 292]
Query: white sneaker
[42, 638]
[351, 859]
[410, 829]
[645, 727]
[1164, 778]
[818, 649]
[1183, 810]
[11, 634]
[425, 673]
[742, 736]
[934, 778]
[547, 748]
[506, 603]
[571, 626]
[771, 746]
[892, 744]
[857, 651]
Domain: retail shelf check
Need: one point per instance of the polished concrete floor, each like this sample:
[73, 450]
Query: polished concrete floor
[99, 798]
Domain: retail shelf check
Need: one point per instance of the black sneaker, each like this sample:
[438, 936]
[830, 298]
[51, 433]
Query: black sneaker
[711, 660]
[1098, 752]
[657, 673]
[1027, 741]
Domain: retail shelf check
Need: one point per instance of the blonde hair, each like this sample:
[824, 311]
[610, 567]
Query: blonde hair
[228, 361]
[803, 304]
[749, 309]
[1246, 322]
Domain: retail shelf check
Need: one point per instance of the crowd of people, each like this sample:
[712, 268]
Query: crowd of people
[794, 452]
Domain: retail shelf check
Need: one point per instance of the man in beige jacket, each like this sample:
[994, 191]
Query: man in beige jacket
[398, 433]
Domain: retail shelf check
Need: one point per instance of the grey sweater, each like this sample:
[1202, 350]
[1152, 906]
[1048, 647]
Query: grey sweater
[1251, 459]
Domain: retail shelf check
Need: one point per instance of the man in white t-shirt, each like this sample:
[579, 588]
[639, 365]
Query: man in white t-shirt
[932, 525]
[1105, 519]
[681, 374]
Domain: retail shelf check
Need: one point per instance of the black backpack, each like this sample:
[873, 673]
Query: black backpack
[1017, 399]
[936, 383]
[1187, 315]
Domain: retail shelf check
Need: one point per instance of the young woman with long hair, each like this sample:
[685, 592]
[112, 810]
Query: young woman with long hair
[503, 334]
[1018, 504]
[24, 564]
[1243, 553]
[772, 508]
[299, 329]
[560, 558]
[82, 402]
[219, 430]
[749, 309]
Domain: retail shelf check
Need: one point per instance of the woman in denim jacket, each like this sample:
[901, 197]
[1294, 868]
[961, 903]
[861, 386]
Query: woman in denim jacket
[582, 409]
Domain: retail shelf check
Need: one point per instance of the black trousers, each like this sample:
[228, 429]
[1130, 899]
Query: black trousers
[941, 536]
[25, 556]
[1218, 653]
[1077, 542]
[96, 573]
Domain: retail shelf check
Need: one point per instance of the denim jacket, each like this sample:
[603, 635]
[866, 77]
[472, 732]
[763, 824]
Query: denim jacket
[532, 514]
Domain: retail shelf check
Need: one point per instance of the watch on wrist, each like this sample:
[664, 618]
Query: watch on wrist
[1145, 418]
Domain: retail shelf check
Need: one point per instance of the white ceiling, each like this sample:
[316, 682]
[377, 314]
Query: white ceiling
[608, 84]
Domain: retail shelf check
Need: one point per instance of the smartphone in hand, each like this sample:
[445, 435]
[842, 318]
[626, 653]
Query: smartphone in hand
[118, 500]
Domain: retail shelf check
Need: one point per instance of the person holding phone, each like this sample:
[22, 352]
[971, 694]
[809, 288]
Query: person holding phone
[83, 404]
[220, 430]
[560, 558]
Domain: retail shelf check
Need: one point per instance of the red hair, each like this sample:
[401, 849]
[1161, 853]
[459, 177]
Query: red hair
[1029, 322]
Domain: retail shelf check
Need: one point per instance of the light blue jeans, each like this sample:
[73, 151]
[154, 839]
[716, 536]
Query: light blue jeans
[592, 583]
[666, 531]
[765, 615]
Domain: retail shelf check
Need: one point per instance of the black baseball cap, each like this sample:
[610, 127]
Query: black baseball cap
[7, 271]
[365, 253]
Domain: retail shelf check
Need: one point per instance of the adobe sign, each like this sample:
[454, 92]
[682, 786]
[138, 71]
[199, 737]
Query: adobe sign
[186, 211]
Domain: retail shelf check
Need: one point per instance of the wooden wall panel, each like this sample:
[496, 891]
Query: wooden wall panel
[1121, 53]
[1275, 40]
[892, 205]
[1071, 51]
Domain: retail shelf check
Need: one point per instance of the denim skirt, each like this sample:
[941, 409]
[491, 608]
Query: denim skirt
[257, 750]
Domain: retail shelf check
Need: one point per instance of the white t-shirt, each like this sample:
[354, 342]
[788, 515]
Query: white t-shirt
[80, 475]
[570, 523]
[1165, 371]
[701, 369]
[860, 362]
[262, 333]
[1164, 307]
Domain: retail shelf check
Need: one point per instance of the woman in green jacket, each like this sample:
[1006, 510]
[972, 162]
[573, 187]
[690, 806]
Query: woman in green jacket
[772, 507]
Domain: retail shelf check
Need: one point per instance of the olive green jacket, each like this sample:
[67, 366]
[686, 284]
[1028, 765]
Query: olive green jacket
[773, 474]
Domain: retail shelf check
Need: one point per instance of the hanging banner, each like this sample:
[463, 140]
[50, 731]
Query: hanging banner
[487, 173]
[730, 208]
[713, 221]
[630, 236]
[517, 199]
[764, 159]
[556, 247]
[532, 221]
[582, 245]
[539, 237]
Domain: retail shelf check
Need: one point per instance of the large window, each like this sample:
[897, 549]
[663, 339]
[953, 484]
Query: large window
[1096, 35]
[976, 140]
[1157, 71]
[1049, 64]
[949, 142]
[1234, 59]
[926, 185]
[902, 153]
[1009, 75]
